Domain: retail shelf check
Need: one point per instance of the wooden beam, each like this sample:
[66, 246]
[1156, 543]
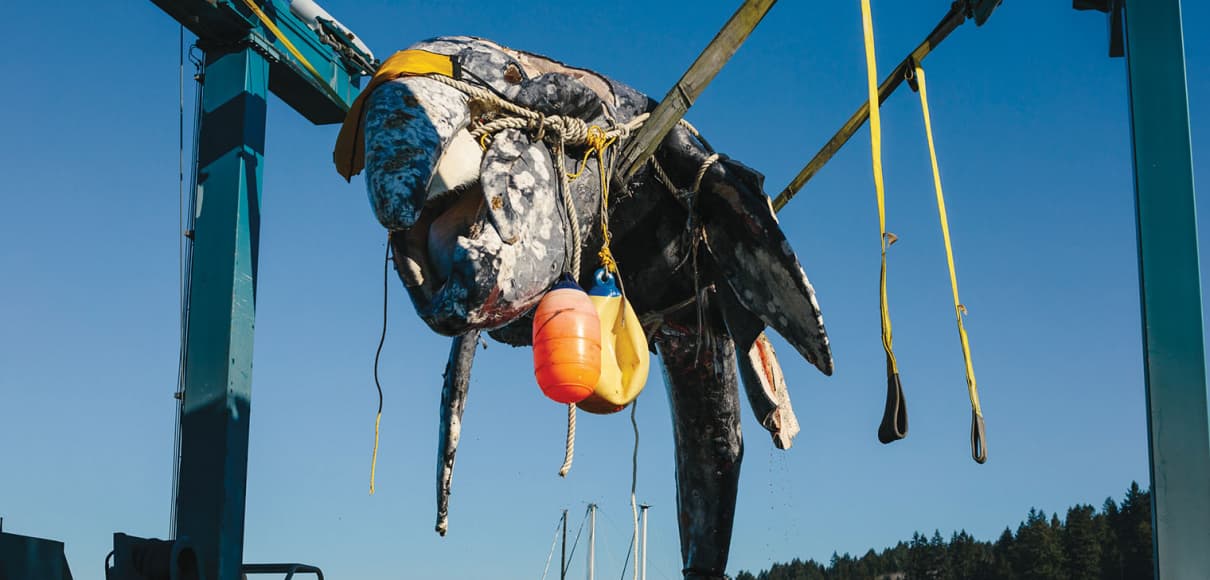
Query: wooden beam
[951, 21]
[642, 146]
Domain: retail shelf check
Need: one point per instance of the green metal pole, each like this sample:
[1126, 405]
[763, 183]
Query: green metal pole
[1171, 290]
[222, 307]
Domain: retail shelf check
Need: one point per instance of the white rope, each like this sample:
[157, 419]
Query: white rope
[569, 207]
[572, 130]
[634, 479]
[569, 452]
[550, 555]
[689, 127]
[702, 169]
[662, 176]
[701, 172]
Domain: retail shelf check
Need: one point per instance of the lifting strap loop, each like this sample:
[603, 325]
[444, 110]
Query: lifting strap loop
[978, 434]
[894, 419]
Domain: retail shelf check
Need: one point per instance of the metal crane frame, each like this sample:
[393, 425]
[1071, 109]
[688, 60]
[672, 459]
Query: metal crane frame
[245, 60]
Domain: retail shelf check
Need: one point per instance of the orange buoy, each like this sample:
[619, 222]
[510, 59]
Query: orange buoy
[567, 343]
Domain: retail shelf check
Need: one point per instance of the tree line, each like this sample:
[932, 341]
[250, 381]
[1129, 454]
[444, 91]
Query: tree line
[1113, 543]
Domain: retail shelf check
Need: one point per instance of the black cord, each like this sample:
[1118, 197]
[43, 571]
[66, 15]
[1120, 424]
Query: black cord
[382, 339]
[626, 562]
[577, 540]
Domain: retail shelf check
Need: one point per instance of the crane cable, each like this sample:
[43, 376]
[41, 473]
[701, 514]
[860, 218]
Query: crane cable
[978, 430]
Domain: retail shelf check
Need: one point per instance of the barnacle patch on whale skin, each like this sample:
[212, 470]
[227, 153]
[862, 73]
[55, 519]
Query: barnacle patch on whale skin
[409, 123]
[517, 177]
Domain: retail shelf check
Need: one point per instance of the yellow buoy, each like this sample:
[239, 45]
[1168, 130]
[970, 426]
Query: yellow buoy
[625, 359]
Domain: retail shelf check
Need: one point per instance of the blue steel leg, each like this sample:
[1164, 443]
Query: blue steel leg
[1171, 290]
[222, 306]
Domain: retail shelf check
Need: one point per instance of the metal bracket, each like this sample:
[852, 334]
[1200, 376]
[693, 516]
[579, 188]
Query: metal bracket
[1117, 44]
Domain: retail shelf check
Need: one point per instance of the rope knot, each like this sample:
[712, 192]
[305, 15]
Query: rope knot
[596, 139]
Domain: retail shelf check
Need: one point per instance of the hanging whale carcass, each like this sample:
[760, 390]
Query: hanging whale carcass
[466, 145]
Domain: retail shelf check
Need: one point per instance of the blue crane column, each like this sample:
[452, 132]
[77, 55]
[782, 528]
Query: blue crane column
[313, 65]
[222, 306]
[1170, 283]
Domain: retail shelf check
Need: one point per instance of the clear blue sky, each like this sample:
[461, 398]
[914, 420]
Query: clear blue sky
[1031, 126]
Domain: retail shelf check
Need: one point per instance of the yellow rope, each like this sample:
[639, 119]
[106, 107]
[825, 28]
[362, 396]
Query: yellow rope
[598, 141]
[978, 445]
[374, 456]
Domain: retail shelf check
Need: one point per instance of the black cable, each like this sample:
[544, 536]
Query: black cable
[576, 542]
[382, 339]
[180, 270]
[377, 357]
[626, 562]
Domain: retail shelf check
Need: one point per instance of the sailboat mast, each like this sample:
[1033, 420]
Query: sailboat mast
[563, 551]
[643, 568]
[592, 540]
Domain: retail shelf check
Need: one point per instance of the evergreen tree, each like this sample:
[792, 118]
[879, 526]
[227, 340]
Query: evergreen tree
[918, 558]
[895, 559]
[1037, 554]
[870, 565]
[1001, 567]
[1111, 553]
[966, 556]
[1134, 534]
[1114, 544]
[1081, 545]
[938, 560]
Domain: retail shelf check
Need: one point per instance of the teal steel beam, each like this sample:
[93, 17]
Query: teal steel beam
[215, 407]
[224, 24]
[28, 558]
[1170, 282]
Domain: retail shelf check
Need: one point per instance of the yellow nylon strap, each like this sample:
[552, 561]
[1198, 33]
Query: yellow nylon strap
[349, 154]
[264, 18]
[978, 436]
[894, 425]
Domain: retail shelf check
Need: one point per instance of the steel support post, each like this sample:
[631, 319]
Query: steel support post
[1171, 290]
[222, 306]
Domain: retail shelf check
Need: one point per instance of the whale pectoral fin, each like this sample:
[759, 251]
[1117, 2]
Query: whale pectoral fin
[453, 402]
[761, 374]
[520, 191]
[743, 236]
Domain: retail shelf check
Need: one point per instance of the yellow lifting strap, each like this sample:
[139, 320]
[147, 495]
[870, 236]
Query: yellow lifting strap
[349, 154]
[264, 18]
[978, 433]
[894, 419]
